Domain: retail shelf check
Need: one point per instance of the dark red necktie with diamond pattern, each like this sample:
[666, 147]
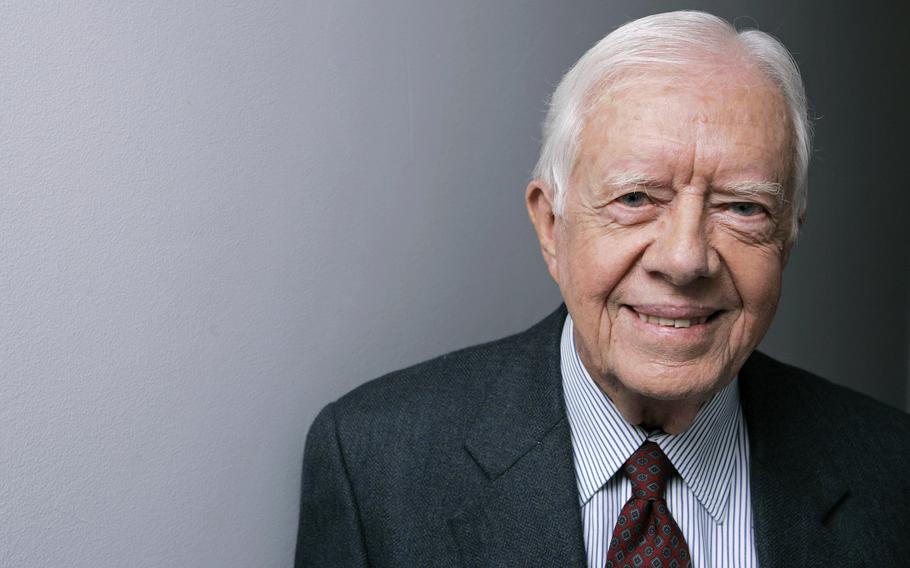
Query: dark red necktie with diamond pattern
[646, 536]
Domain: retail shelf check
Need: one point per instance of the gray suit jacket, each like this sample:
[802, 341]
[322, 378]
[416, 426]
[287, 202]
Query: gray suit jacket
[466, 460]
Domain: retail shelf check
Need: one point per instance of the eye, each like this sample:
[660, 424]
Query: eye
[634, 199]
[746, 209]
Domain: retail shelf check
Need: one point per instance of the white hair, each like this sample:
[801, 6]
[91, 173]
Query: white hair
[672, 39]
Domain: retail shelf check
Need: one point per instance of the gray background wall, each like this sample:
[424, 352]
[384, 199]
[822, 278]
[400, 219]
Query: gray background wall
[216, 217]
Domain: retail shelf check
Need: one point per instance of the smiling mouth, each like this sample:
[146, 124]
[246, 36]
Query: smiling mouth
[676, 322]
[672, 322]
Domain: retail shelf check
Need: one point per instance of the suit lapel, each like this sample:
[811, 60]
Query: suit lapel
[528, 512]
[796, 489]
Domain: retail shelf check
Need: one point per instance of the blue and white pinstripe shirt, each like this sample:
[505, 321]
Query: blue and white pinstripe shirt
[709, 499]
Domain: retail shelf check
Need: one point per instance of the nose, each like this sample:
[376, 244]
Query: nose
[681, 252]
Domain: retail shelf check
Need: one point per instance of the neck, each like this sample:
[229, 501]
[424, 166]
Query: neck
[671, 416]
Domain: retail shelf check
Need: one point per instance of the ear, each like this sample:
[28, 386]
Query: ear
[540, 201]
[790, 242]
[785, 254]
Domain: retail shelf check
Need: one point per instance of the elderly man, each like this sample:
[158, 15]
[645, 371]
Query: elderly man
[635, 426]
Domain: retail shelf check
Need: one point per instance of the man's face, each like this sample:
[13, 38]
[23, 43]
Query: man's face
[671, 247]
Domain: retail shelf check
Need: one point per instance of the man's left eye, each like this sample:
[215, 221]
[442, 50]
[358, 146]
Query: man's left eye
[634, 199]
[746, 209]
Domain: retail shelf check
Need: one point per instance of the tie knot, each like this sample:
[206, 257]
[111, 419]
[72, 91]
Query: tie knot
[648, 469]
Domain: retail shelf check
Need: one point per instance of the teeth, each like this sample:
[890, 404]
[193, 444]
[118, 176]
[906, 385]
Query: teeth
[670, 322]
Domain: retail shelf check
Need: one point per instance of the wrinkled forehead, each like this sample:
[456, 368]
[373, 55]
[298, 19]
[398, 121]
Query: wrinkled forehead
[706, 72]
[712, 93]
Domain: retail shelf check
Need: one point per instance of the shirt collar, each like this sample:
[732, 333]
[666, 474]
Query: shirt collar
[602, 440]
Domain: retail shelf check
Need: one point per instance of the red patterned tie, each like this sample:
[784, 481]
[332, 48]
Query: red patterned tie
[646, 536]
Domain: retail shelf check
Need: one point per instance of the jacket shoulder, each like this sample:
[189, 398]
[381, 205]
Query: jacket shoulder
[812, 404]
[437, 399]
[453, 378]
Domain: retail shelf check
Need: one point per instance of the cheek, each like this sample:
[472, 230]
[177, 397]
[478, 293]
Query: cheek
[759, 285]
[597, 265]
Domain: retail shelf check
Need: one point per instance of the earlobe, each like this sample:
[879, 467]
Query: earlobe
[540, 201]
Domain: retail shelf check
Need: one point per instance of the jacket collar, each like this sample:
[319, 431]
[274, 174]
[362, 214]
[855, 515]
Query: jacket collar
[528, 512]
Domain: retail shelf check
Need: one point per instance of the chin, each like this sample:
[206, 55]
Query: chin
[660, 382]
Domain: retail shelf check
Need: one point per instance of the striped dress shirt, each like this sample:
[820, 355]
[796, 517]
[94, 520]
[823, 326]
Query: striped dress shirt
[709, 499]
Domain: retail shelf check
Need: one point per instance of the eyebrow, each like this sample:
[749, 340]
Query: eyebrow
[639, 179]
[771, 188]
[632, 178]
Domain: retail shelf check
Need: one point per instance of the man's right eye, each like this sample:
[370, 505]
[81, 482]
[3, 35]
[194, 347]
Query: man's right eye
[634, 199]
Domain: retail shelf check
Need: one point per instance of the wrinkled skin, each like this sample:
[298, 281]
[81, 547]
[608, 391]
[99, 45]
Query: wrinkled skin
[656, 223]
